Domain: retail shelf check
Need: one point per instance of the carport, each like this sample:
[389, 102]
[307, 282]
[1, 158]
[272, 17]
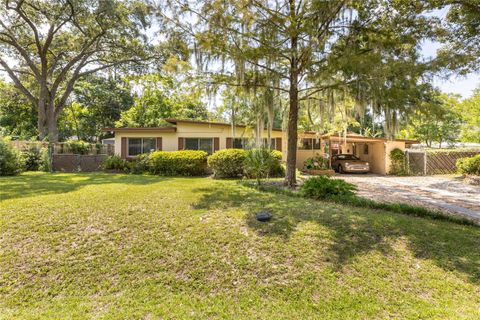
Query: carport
[374, 150]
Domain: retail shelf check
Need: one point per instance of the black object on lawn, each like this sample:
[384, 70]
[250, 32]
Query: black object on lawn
[264, 216]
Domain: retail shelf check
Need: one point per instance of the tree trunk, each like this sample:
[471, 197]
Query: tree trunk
[290, 177]
[41, 120]
[292, 132]
[52, 123]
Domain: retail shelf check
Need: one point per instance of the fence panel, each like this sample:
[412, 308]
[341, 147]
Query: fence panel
[416, 162]
[77, 162]
[445, 162]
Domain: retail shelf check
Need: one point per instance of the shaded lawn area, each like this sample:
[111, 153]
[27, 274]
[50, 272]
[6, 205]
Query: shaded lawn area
[123, 246]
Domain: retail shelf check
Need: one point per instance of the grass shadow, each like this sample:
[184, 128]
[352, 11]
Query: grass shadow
[37, 183]
[354, 231]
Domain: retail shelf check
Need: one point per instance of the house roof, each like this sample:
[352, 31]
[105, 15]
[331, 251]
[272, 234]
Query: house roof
[175, 121]
[162, 129]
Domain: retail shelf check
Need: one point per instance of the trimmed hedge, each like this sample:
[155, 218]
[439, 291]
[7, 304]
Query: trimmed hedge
[178, 163]
[10, 160]
[227, 163]
[470, 165]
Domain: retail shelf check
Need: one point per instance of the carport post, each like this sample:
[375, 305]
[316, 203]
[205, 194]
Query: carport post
[424, 163]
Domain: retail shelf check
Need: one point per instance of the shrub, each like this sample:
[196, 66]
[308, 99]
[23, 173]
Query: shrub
[115, 163]
[470, 165]
[78, 147]
[259, 163]
[183, 163]
[322, 187]
[277, 169]
[227, 163]
[398, 165]
[32, 157]
[138, 165]
[10, 161]
[316, 163]
[45, 160]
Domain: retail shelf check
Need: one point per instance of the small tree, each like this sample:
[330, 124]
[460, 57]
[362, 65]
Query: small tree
[258, 163]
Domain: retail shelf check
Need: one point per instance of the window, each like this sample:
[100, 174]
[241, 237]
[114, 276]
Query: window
[309, 144]
[204, 144]
[138, 146]
[346, 157]
[240, 143]
[306, 144]
[245, 143]
[365, 148]
[273, 143]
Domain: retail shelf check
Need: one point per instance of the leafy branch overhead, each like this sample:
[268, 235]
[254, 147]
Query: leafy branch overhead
[56, 43]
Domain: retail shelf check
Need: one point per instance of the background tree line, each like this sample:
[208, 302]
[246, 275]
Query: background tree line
[72, 67]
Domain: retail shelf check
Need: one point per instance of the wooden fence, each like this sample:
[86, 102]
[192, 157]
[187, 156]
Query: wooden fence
[420, 162]
[66, 148]
[445, 162]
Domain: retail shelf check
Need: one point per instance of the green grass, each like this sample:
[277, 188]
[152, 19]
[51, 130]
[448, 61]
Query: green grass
[124, 246]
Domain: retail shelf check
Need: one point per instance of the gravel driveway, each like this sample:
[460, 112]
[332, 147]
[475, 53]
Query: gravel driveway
[447, 193]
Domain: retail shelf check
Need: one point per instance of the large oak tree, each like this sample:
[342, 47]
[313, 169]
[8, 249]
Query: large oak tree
[46, 46]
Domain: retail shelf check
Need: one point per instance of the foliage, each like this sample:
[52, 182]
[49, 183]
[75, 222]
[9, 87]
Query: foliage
[45, 160]
[98, 103]
[17, 115]
[470, 111]
[52, 44]
[277, 169]
[436, 120]
[398, 162]
[78, 147]
[470, 165]
[322, 187]
[259, 163]
[10, 160]
[227, 163]
[160, 97]
[460, 35]
[316, 163]
[32, 157]
[178, 163]
[140, 164]
[115, 163]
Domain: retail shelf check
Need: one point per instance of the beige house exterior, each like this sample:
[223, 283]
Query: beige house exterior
[214, 136]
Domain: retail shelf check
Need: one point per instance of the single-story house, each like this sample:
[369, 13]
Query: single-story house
[214, 136]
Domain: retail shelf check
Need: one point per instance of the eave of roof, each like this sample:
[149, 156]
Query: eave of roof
[362, 138]
[175, 121]
[162, 129]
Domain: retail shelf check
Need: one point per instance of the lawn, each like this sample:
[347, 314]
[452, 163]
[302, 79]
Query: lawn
[125, 246]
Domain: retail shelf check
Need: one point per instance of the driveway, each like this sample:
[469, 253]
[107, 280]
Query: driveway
[446, 193]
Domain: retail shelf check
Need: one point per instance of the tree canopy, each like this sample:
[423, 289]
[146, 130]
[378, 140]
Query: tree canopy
[46, 46]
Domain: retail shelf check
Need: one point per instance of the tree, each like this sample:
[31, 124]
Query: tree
[160, 97]
[291, 47]
[460, 33]
[55, 43]
[436, 120]
[98, 103]
[470, 109]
